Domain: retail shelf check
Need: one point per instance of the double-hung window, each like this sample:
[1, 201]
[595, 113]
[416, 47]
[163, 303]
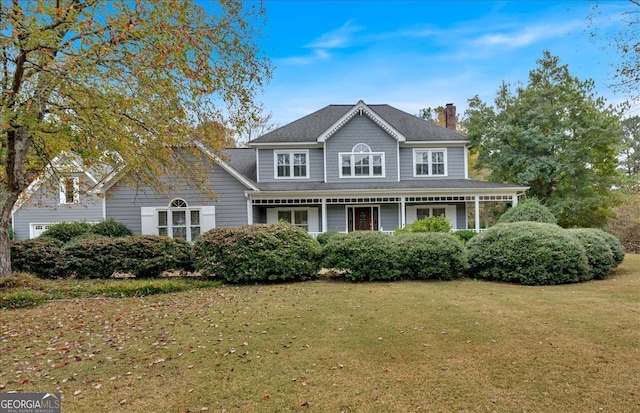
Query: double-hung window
[430, 162]
[361, 162]
[292, 164]
[179, 221]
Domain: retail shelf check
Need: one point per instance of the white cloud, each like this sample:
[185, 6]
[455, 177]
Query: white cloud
[338, 38]
[528, 35]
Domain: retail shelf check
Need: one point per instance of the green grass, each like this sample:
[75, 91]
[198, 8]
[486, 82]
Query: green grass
[326, 346]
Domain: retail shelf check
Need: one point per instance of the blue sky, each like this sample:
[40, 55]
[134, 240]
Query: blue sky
[418, 54]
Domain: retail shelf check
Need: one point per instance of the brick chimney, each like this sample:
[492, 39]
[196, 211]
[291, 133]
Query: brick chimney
[450, 116]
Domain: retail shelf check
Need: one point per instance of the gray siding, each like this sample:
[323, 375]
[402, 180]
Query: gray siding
[361, 130]
[455, 163]
[124, 203]
[44, 207]
[266, 164]
[389, 217]
[336, 218]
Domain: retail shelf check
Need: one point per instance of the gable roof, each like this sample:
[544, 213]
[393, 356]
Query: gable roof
[321, 124]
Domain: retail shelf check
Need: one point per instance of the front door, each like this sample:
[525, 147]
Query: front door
[362, 219]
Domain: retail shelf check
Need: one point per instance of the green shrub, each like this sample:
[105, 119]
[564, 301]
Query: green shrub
[599, 253]
[39, 256]
[465, 235]
[616, 247]
[425, 256]
[529, 253]
[257, 253]
[149, 255]
[529, 209]
[141, 255]
[111, 228]
[326, 237]
[66, 231]
[428, 224]
[365, 255]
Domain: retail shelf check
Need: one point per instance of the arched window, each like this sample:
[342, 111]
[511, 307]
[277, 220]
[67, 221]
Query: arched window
[361, 162]
[179, 221]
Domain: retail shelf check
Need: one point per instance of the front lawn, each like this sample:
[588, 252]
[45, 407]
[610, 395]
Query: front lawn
[326, 346]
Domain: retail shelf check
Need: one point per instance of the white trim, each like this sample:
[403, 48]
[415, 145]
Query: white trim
[361, 108]
[450, 212]
[257, 165]
[434, 144]
[430, 151]
[227, 167]
[324, 155]
[353, 206]
[249, 211]
[312, 216]
[291, 154]
[398, 158]
[352, 163]
[466, 162]
[62, 188]
[149, 218]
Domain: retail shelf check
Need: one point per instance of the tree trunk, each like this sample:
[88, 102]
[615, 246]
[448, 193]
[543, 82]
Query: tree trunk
[6, 204]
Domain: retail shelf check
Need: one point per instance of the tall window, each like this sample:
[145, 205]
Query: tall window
[430, 162]
[361, 162]
[291, 164]
[70, 190]
[179, 221]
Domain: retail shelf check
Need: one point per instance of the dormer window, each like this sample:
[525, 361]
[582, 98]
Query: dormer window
[361, 162]
[291, 164]
[70, 190]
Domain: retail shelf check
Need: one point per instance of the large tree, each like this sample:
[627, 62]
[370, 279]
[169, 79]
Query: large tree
[630, 154]
[120, 81]
[554, 135]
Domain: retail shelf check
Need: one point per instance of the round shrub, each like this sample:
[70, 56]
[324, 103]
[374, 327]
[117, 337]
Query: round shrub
[429, 224]
[529, 209]
[66, 231]
[365, 255]
[425, 256]
[257, 253]
[111, 228]
[532, 253]
[615, 245]
[599, 253]
[39, 256]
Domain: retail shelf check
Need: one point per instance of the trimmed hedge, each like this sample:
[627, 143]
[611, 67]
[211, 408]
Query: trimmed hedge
[257, 253]
[39, 256]
[140, 255]
[528, 253]
[599, 253]
[427, 256]
[529, 209]
[365, 255]
[465, 235]
[615, 245]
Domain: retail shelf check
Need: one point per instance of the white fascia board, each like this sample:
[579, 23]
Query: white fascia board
[363, 109]
[435, 143]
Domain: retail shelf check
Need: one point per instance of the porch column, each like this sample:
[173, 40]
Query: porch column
[515, 200]
[249, 211]
[476, 215]
[324, 214]
[403, 212]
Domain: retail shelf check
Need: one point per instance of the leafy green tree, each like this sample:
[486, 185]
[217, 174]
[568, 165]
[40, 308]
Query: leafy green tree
[630, 154]
[132, 78]
[555, 136]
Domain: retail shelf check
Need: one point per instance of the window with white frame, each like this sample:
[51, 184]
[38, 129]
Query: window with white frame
[70, 190]
[178, 220]
[291, 164]
[303, 217]
[430, 162]
[361, 162]
[427, 212]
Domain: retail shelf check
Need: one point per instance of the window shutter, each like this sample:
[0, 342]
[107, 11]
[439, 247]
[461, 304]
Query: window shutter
[148, 221]
[412, 214]
[313, 220]
[272, 216]
[207, 218]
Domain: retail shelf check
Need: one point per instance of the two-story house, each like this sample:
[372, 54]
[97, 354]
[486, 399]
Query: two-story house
[342, 168]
